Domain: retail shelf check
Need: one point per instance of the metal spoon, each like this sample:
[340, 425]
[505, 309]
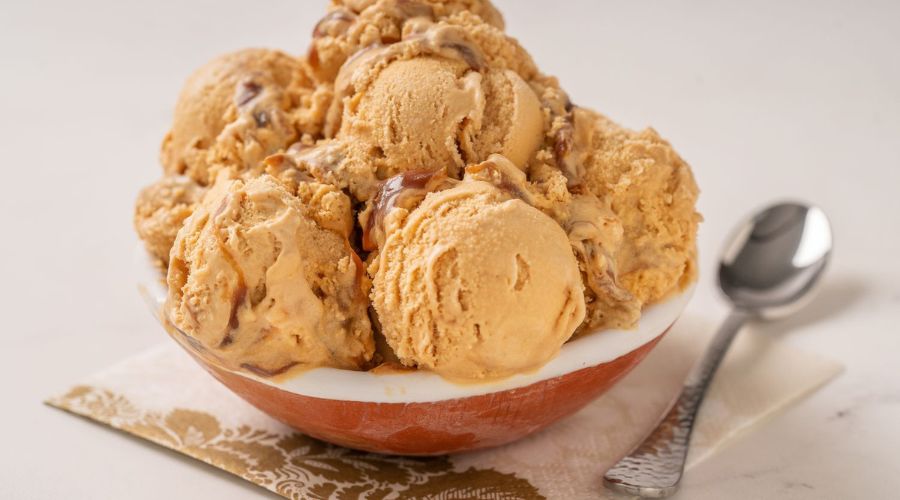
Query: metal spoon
[768, 271]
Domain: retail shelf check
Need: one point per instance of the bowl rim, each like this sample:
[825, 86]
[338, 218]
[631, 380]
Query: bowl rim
[422, 386]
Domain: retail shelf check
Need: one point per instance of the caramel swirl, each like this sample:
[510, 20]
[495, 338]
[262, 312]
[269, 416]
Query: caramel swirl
[571, 145]
[503, 174]
[596, 233]
[335, 23]
[404, 190]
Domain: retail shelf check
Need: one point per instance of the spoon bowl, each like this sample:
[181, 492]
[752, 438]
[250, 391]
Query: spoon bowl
[774, 260]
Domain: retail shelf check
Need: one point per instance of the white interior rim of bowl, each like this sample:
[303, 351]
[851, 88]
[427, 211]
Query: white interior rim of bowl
[588, 350]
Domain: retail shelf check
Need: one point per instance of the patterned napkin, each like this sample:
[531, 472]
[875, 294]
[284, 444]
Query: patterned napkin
[161, 395]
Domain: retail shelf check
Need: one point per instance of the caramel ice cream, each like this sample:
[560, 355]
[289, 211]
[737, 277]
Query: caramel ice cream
[442, 113]
[160, 211]
[351, 25]
[496, 218]
[635, 233]
[259, 283]
[652, 192]
[232, 113]
[434, 103]
[476, 284]
[238, 109]
[443, 96]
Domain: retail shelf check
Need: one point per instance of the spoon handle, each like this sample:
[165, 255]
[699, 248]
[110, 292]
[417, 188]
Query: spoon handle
[654, 468]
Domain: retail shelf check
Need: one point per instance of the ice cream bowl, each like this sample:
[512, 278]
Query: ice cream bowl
[415, 412]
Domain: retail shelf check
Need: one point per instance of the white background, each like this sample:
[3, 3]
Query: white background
[766, 100]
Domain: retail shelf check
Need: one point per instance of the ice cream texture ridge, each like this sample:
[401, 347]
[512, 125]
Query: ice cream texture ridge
[411, 191]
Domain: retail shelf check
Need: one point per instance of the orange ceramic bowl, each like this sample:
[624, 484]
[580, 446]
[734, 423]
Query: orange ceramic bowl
[420, 413]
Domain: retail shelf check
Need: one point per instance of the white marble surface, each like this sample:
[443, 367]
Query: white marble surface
[766, 100]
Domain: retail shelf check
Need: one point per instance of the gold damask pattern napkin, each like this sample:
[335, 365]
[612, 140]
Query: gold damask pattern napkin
[161, 395]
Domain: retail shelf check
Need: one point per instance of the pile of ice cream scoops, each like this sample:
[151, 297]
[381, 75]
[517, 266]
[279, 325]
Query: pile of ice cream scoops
[412, 192]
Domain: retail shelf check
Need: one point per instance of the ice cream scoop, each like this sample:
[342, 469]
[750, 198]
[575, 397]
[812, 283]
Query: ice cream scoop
[351, 25]
[431, 102]
[236, 110]
[416, 114]
[474, 284]
[161, 210]
[650, 195]
[257, 283]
